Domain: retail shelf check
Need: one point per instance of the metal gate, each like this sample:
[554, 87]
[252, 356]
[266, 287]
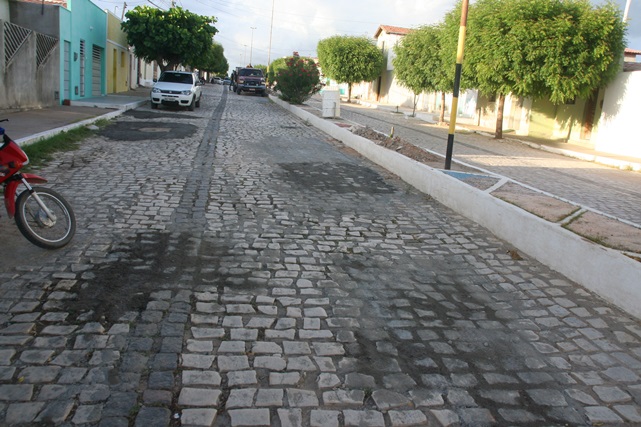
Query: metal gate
[96, 74]
[67, 71]
[82, 68]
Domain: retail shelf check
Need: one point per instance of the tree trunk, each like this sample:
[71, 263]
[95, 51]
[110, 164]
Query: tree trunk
[349, 92]
[441, 118]
[500, 100]
[415, 102]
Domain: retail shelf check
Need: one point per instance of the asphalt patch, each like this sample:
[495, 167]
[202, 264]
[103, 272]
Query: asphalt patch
[148, 115]
[339, 177]
[141, 131]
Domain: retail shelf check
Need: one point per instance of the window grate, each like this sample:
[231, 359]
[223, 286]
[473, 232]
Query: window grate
[44, 46]
[15, 36]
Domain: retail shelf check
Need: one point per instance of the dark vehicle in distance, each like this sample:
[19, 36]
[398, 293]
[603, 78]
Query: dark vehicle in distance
[251, 80]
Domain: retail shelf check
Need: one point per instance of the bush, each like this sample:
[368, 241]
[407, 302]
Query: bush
[298, 80]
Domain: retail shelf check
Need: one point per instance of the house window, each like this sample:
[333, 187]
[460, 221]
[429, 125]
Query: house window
[82, 68]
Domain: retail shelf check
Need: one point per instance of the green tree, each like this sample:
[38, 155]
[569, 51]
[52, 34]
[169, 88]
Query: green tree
[272, 70]
[261, 67]
[419, 66]
[171, 37]
[561, 49]
[298, 80]
[213, 61]
[349, 59]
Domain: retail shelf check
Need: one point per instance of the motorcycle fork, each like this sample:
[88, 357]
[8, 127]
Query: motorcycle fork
[38, 200]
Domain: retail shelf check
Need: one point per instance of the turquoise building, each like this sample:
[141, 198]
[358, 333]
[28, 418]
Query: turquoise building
[83, 41]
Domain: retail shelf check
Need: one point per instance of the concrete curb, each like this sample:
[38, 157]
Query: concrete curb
[53, 132]
[607, 272]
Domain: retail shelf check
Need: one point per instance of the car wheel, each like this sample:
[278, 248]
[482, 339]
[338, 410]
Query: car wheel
[191, 104]
[238, 90]
[198, 102]
[154, 106]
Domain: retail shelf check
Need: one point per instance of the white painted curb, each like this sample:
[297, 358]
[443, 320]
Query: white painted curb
[607, 272]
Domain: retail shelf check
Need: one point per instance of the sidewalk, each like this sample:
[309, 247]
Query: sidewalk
[32, 125]
[566, 149]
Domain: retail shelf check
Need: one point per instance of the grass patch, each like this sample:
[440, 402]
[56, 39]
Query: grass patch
[42, 151]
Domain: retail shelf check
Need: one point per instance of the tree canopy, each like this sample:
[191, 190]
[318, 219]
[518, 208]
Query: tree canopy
[349, 59]
[273, 68]
[418, 64]
[171, 37]
[213, 61]
[561, 49]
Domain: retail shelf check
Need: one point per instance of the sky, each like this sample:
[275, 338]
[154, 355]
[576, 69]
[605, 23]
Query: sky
[245, 27]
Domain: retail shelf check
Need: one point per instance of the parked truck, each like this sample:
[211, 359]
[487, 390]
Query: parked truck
[250, 80]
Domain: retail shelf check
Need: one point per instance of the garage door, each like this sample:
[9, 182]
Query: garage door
[96, 74]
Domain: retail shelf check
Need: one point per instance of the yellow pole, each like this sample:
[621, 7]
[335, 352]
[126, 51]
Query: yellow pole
[457, 84]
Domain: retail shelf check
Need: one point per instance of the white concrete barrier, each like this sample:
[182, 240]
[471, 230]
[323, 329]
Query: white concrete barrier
[607, 272]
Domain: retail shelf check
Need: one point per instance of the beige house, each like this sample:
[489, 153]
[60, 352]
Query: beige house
[118, 56]
[605, 122]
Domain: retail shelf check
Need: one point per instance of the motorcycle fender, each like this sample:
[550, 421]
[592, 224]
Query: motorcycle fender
[11, 188]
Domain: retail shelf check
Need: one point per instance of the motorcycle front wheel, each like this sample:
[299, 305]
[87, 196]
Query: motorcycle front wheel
[47, 231]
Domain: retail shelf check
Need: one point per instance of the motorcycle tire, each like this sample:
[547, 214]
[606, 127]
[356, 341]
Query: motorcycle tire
[35, 224]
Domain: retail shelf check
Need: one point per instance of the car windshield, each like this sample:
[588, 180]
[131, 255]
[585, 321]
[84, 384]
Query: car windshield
[176, 78]
[251, 72]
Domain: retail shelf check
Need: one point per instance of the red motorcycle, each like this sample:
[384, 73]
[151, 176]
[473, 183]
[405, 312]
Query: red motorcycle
[42, 215]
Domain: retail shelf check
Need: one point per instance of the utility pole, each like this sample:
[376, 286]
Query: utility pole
[627, 9]
[251, 46]
[124, 7]
[271, 28]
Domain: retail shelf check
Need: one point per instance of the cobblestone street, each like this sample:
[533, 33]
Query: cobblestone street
[234, 266]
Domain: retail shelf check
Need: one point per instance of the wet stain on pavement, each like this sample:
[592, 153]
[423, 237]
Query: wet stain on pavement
[142, 131]
[339, 177]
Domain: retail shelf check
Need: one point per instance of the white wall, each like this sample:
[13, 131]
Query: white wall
[618, 130]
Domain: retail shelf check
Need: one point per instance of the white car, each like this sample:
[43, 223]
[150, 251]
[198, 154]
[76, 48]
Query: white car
[177, 88]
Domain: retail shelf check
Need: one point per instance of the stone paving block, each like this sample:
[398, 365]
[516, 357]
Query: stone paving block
[157, 397]
[296, 347]
[611, 394]
[151, 416]
[250, 417]
[241, 378]
[287, 378]
[362, 381]
[6, 355]
[16, 392]
[232, 347]
[94, 393]
[324, 418]
[602, 414]
[630, 413]
[87, 414]
[343, 397]
[190, 396]
[232, 363]
[407, 418]
[23, 413]
[266, 348]
[386, 400]
[197, 361]
[55, 412]
[270, 397]
[198, 417]
[211, 378]
[290, 417]
[445, 417]
[359, 418]
[241, 398]
[273, 363]
[301, 398]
